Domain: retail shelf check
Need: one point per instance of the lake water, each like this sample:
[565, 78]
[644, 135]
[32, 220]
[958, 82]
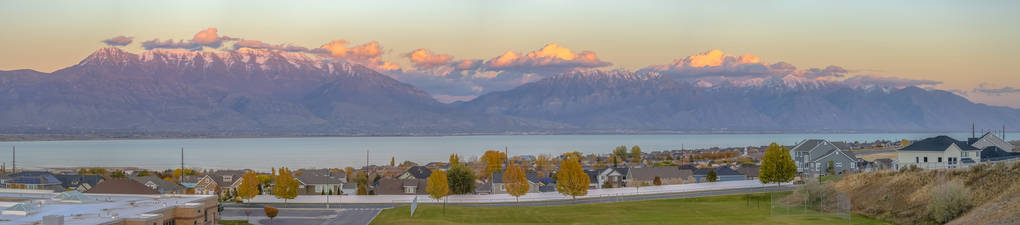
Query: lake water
[338, 152]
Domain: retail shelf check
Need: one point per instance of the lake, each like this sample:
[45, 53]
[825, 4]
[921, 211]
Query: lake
[338, 152]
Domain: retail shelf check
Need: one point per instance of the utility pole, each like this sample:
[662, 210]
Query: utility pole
[973, 130]
[366, 157]
[14, 159]
[181, 179]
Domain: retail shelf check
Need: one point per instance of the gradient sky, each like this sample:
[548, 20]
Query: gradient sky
[963, 44]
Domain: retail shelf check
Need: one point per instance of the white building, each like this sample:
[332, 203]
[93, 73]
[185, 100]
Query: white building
[938, 153]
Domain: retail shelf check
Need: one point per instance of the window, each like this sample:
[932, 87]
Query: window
[963, 154]
[926, 159]
[940, 159]
[839, 164]
[409, 189]
[917, 159]
[228, 179]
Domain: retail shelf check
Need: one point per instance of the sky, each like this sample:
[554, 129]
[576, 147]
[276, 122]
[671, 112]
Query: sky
[459, 49]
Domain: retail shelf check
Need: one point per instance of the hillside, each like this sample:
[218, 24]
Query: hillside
[902, 196]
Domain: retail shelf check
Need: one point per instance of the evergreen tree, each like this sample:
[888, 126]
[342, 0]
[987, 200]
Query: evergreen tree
[711, 176]
[461, 180]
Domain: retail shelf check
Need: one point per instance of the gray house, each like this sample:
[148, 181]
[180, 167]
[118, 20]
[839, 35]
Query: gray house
[723, 173]
[497, 182]
[812, 157]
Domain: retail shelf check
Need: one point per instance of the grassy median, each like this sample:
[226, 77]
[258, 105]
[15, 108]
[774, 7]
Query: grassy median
[730, 209]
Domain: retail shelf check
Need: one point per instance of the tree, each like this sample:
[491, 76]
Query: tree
[362, 180]
[571, 179]
[286, 186]
[493, 161]
[621, 153]
[454, 160]
[711, 176]
[543, 162]
[349, 172]
[635, 154]
[904, 142]
[777, 166]
[249, 186]
[575, 154]
[657, 181]
[393, 161]
[461, 180]
[118, 174]
[98, 171]
[143, 173]
[271, 212]
[516, 182]
[438, 186]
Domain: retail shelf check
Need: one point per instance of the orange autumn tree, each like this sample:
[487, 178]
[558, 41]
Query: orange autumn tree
[516, 182]
[493, 161]
[571, 179]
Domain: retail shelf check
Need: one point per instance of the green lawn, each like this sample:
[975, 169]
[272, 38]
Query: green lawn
[731, 209]
[234, 222]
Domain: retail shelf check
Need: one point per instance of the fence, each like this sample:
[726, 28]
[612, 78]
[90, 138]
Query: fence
[811, 203]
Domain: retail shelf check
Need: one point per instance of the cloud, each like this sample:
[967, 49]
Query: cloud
[718, 64]
[424, 59]
[262, 45]
[119, 40]
[987, 89]
[205, 38]
[866, 80]
[368, 54]
[551, 59]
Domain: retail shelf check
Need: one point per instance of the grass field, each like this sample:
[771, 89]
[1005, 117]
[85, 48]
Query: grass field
[731, 209]
[234, 222]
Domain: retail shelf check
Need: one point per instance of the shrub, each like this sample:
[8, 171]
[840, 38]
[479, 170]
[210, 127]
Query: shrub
[657, 181]
[271, 211]
[948, 200]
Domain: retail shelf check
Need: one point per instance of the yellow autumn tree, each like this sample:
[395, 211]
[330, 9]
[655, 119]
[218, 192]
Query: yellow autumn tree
[437, 186]
[286, 186]
[516, 182]
[249, 186]
[454, 160]
[543, 162]
[493, 161]
[571, 179]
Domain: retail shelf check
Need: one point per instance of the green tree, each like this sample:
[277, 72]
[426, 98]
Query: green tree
[516, 182]
[286, 186]
[571, 179]
[711, 176]
[777, 166]
[621, 153]
[461, 180]
[249, 186]
[118, 174]
[143, 173]
[438, 187]
[635, 154]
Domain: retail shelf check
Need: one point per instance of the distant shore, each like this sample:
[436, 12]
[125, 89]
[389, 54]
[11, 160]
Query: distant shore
[34, 137]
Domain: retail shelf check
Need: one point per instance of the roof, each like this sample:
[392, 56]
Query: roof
[391, 186]
[841, 145]
[719, 171]
[70, 181]
[807, 145]
[121, 186]
[419, 172]
[665, 172]
[593, 175]
[162, 186]
[751, 171]
[939, 143]
[234, 174]
[319, 177]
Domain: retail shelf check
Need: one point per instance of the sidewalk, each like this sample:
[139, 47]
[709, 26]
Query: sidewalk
[530, 197]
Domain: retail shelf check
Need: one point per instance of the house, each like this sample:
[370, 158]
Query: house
[666, 174]
[32, 180]
[219, 182]
[750, 172]
[616, 177]
[813, 156]
[723, 173]
[989, 140]
[80, 183]
[349, 188]
[483, 188]
[593, 179]
[415, 172]
[938, 153]
[391, 186]
[496, 181]
[160, 185]
[122, 186]
[315, 182]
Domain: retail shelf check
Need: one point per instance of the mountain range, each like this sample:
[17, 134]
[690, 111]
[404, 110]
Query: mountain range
[275, 93]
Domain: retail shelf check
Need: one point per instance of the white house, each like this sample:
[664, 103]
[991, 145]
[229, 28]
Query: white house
[938, 153]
